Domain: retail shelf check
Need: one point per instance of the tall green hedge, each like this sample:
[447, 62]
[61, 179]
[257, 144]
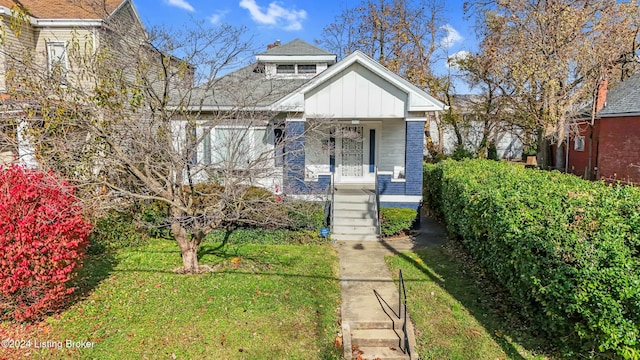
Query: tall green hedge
[566, 249]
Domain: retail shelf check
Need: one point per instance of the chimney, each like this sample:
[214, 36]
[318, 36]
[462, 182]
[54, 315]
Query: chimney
[601, 98]
[271, 46]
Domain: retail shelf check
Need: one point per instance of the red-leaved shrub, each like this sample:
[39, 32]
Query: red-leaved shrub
[42, 239]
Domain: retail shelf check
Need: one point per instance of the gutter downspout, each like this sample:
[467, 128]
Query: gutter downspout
[599, 103]
[566, 156]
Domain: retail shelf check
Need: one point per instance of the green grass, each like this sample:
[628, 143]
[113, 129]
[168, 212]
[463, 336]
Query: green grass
[458, 312]
[260, 302]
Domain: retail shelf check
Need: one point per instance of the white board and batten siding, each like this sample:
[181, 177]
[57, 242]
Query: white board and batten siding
[356, 92]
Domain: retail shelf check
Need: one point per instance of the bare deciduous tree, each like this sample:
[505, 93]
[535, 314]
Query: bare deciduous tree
[131, 117]
[548, 56]
[402, 35]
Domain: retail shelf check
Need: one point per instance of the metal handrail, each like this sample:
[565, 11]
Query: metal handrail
[377, 194]
[402, 312]
[332, 205]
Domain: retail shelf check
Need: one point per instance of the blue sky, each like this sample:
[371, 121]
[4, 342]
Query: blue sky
[285, 20]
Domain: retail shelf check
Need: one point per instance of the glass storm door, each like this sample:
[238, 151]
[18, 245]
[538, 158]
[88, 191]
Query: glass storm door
[352, 151]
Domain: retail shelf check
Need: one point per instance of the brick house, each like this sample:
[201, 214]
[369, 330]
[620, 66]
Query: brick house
[613, 138]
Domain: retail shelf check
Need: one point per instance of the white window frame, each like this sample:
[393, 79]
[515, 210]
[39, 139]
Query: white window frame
[315, 69]
[206, 145]
[250, 133]
[64, 62]
[578, 143]
[293, 70]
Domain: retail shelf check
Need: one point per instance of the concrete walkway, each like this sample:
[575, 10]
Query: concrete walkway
[370, 328]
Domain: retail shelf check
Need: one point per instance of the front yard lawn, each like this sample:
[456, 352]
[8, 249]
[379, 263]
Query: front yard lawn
[458, 314]
[259, 302]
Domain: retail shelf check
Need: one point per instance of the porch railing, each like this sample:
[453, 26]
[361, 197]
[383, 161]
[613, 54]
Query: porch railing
[402, 314]
[332, 192]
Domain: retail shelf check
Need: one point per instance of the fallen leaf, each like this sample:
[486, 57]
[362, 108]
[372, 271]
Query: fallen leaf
[338, 341]
[236, 261]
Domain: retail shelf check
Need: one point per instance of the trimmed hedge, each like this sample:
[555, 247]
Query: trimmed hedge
[115, 231]
[567, 250]
[266, 237]
[395, 220]
[304, 215]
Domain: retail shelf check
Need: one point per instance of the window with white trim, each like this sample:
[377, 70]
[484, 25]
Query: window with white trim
[206, 145]
[57, 61]
[296, 69]
[231, 147]
[578, 143]
[286, 69]
[307, 69]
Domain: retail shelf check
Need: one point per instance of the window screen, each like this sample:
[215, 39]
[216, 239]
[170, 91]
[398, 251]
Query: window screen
[306, 69]
[286, 69]
[57, 59]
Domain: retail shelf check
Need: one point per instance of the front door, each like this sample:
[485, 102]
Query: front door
[352, 152]
[355, 153]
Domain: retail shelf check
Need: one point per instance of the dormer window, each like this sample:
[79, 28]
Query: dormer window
[296, 69]
[295, 60]
[286, 69]
[307, 69]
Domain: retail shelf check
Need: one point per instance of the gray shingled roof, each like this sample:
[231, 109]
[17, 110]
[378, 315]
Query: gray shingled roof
[247, 87]
[623, 99]
[296, 47]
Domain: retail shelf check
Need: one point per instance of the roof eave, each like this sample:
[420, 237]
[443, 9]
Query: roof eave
[621, 114]
[35, 22]
[331, 59]
[212, 108]
[363, 59]
[66, 22]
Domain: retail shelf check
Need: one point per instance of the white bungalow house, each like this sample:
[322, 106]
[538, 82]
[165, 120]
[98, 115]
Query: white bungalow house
[372, 152]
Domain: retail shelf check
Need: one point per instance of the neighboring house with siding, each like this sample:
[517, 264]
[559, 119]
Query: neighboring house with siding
[473, 124]
[612, 138]
[44, 31]
[373, 140]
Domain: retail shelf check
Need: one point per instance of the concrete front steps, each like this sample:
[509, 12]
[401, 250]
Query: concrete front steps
[377, 340]
[354, 214]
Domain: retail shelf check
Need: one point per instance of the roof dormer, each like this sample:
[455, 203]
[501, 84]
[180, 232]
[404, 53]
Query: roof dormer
[295, 60]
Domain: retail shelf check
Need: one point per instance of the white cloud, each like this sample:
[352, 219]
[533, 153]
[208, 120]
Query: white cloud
[275, 15]
[216, 17]
[452, 37]
[451, 61]
[182, 4]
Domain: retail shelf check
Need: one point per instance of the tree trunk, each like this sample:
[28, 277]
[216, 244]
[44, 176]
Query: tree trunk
[560, 156]
[188, 248]
[543, 154]
[440, 133]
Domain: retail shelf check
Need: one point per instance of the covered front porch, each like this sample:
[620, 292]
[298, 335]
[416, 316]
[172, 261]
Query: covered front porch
[381, 154]
[353, 151]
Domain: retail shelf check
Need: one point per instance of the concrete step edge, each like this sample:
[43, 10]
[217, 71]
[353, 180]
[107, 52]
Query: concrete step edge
[343, 219]
[352, 200]
[361, 325]
[374, 338]
[380, 352]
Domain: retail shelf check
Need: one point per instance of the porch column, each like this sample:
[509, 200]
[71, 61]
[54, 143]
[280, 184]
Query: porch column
[294, 155]
[26, 150]
[414, 155]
